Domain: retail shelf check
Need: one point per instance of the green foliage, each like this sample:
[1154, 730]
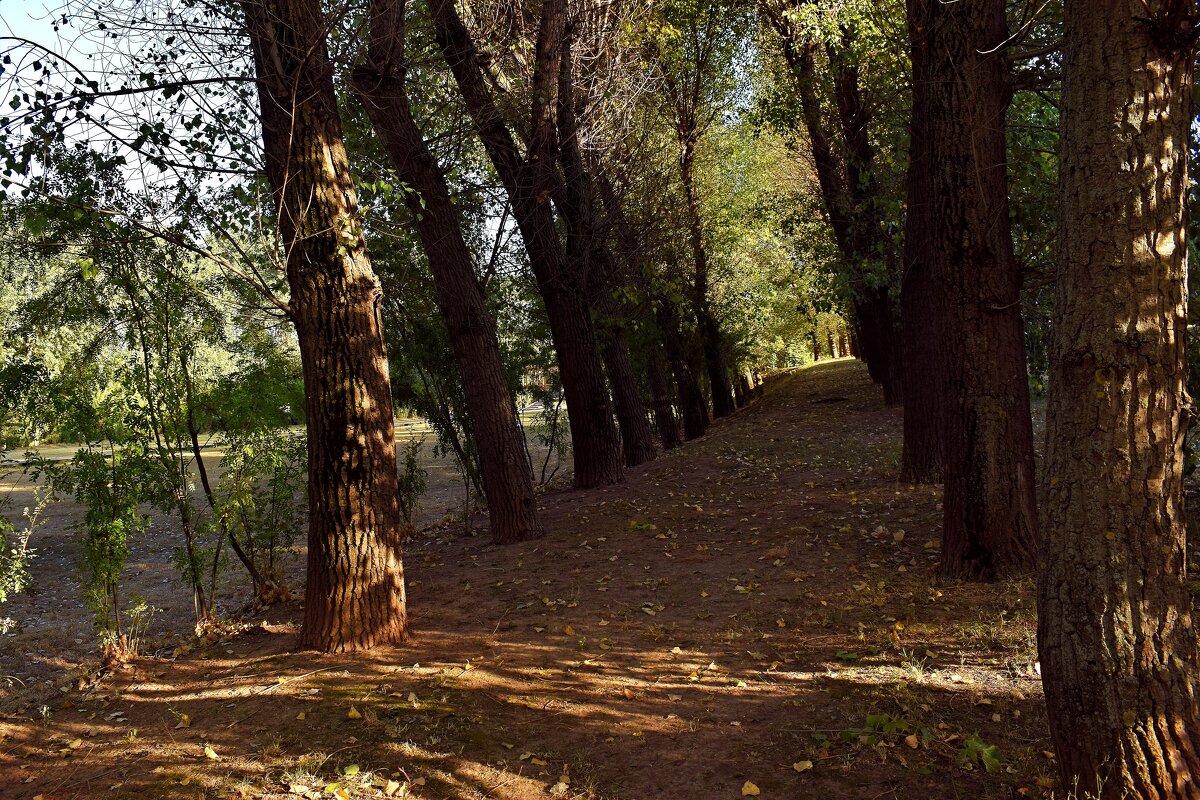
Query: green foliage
[975, 752]
[261, 495]
[412, 477]
[110, 480]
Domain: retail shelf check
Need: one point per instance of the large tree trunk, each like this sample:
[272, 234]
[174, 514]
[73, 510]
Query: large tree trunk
[530, 183]
[706, 321]
[1115, 634]
[507, 478]
[990, 525]
[919, 307]
[354, 597]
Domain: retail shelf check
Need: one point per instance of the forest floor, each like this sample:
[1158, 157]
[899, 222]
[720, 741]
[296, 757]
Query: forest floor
[756, 613]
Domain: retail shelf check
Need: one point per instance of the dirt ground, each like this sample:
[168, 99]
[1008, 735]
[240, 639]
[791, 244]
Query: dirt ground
[754, 614]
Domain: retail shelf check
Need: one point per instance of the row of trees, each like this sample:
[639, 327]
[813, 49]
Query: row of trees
[472, 147]
[614, 140]
[1118, 648]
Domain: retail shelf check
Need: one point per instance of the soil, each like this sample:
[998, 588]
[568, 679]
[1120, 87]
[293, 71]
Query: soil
[754, 614]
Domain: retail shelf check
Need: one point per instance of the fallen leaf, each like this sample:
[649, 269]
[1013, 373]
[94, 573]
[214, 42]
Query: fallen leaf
[184, 721]
[750, 790]
[802, 766]
[353, 713]
[211, 754]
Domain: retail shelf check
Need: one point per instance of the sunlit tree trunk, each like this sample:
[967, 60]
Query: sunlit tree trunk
[354, 597]
[507, 477]
[1115, 631]
[990, 523]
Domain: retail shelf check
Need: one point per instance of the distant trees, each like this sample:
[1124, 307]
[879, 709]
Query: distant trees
[380, 85]
[1115, 630]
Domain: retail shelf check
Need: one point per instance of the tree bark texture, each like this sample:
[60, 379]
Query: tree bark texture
[990, 524]
[530, 183]
[354, 597]
[920, 310]
[1115, 630]
[507, 477]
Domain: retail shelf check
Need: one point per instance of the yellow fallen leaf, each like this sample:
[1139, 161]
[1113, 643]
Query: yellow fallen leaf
[76, 744]
[341, 794]
[211, 754]
[391, 787]
[298, 788]
[300, 715]
[353, 713]
[911, 740]
[538, 761]
[569, 631]
[351, 770]
[184, 721]
[750, 790]
[802, 766]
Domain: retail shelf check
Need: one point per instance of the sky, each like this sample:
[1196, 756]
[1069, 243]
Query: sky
[29, 19]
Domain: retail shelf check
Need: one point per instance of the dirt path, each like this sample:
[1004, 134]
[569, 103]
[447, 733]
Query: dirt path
[759, 606]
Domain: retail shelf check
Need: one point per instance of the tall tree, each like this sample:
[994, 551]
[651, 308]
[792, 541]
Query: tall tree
[381, 87]
[693, 65]
[354, 597]
[530, 180]
[844, 156]
[919, 306]
[990, 524]
[1115, 632]
[588, 247]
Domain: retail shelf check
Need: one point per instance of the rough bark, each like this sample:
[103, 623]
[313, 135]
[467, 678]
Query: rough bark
[507, 477]
[530, 183]
[1115, 631]
[354, 596]
[919, 308]
[990, 524]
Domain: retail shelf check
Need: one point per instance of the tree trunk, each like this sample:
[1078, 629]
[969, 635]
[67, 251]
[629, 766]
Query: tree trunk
[691, 399]
[587, 248]
[1118, 648]
[990, 525]
[354, 597]
[530, 182]
[507, 477]
[845, 164]
[919, 307]
[664, 415]
[706, 322]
